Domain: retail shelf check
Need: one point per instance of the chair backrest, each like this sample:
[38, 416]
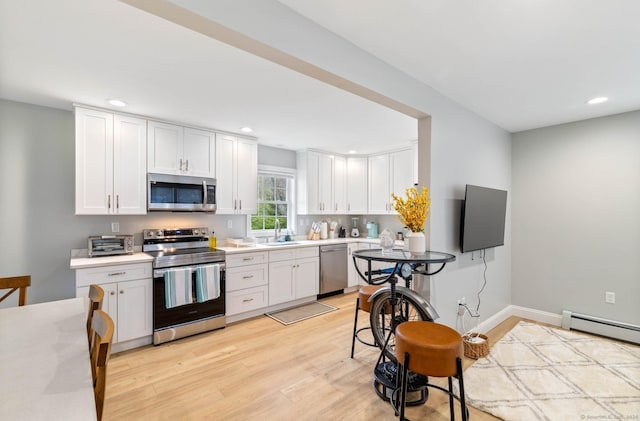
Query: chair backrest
[103, 327]
[96, 296]
[14, 283]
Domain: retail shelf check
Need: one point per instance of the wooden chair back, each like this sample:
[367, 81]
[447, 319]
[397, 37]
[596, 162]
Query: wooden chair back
[15, 283]
[103, 327]
[96, 296]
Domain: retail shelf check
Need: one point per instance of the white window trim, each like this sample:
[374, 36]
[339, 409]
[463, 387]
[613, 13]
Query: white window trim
[286, 172]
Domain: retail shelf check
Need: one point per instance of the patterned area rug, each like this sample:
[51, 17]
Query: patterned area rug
[541, 373]
[303, 312]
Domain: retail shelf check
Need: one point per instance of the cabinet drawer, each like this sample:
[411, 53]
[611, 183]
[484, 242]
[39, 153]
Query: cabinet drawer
[247, 277]
[307, 252]
[280, 255]
[241, 259]
[246, 300]
[109, 274]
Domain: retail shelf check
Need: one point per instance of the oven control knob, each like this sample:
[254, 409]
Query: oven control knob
[195, 232]
[159, 233]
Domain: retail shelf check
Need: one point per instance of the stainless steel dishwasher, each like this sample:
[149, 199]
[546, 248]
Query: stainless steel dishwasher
[333, 268]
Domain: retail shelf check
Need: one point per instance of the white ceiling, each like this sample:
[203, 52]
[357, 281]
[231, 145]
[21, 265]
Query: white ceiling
[519, 64]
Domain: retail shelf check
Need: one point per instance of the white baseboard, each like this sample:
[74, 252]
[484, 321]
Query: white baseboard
[524, 312]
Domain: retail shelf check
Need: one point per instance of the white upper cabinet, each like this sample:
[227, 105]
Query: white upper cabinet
[389, 173]
[321, 183]
[356, 185]
[236, 175]
[110, 163]
[181, 150]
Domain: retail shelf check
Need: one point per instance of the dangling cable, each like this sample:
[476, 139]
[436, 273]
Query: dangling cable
[484, 275]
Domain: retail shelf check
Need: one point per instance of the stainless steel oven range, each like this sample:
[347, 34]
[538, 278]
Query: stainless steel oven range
[188, 282]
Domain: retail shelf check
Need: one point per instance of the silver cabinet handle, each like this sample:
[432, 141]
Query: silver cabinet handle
[240, 204]
[246, 259]
[108, 201]
[187, 165]
[117, 201]
[121, 292]
[181, 166]
[112, 293]
[247, 277]
[117, 273]
[247, 300]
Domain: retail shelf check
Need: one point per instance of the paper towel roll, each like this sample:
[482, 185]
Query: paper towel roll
[323, 230]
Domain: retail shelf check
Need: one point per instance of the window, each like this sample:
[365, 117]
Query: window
[275, 200]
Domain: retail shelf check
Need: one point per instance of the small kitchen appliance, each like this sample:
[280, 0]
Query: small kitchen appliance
[355, 232]
[372, 230]
[109, 245]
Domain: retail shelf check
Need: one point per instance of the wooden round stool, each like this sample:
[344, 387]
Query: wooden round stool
[362, 303]
[430, 349]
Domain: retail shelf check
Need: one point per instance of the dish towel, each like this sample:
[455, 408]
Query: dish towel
[178, 288]
[207, 282]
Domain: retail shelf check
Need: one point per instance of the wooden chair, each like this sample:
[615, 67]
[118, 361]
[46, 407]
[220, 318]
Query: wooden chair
[96, 296]
[14, 283]
[103, 327]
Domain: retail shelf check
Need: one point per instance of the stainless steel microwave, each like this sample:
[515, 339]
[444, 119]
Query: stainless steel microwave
[181, 193]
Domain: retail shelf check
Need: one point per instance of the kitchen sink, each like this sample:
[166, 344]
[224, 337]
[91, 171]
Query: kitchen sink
[281, 243]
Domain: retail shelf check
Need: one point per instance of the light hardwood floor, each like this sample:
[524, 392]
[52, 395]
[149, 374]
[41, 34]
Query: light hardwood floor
[258, 369]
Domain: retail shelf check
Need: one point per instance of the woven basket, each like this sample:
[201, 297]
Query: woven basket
[475, 350]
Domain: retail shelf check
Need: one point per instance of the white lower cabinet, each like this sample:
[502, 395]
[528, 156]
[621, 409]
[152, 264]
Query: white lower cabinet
[247, 279]
[128, 297]
[293, 274]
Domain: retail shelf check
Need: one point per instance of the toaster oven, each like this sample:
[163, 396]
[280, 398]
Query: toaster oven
[109, 245]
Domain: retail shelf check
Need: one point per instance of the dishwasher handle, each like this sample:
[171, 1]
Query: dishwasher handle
[337, 247]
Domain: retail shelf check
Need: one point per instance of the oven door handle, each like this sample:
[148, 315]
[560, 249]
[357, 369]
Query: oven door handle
[159, 273]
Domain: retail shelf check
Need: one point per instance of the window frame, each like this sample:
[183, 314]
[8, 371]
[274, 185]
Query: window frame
[290, 174]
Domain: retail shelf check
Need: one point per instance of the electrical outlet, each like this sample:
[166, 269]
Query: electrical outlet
[610, 297]
[461, 309]
[229, 224]
[115, 227]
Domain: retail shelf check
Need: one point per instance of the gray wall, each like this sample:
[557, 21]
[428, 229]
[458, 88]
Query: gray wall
[37, 220]
[576, 217]
[268, 155]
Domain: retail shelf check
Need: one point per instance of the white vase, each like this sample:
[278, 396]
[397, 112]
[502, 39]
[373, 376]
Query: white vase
[417, 242]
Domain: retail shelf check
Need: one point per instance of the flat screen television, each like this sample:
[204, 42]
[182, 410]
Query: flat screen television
[483, 218]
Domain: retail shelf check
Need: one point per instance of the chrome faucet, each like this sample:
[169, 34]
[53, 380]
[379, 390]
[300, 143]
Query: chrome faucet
[276, 236]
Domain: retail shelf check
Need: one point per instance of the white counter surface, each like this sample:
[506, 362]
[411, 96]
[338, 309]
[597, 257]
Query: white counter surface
[46, 369]
[88, 262]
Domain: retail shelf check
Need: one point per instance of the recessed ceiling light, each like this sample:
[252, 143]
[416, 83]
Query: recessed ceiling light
[117, 103]
[246, 129]
[598, 100]
[352, 152]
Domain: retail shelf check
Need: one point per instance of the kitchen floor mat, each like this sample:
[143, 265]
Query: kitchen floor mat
[303, 312]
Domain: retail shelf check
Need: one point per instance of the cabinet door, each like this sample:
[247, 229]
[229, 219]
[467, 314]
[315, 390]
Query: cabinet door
[307, 281]
[135, 317]
[379, 197]
[224, 174]
[325, 183]
[246, 172]
[94, 162]
[339, 185]
[199, 153]
[357, 185]
[401, 170]
[110, 304]
[164, 148]
[129, 165]
[281, 286]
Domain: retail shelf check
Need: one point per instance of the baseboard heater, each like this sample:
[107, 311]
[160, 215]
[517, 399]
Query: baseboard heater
[599, 326]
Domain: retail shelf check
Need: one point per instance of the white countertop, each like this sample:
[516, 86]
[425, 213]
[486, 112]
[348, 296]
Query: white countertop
[46, 369]
[88, 262]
